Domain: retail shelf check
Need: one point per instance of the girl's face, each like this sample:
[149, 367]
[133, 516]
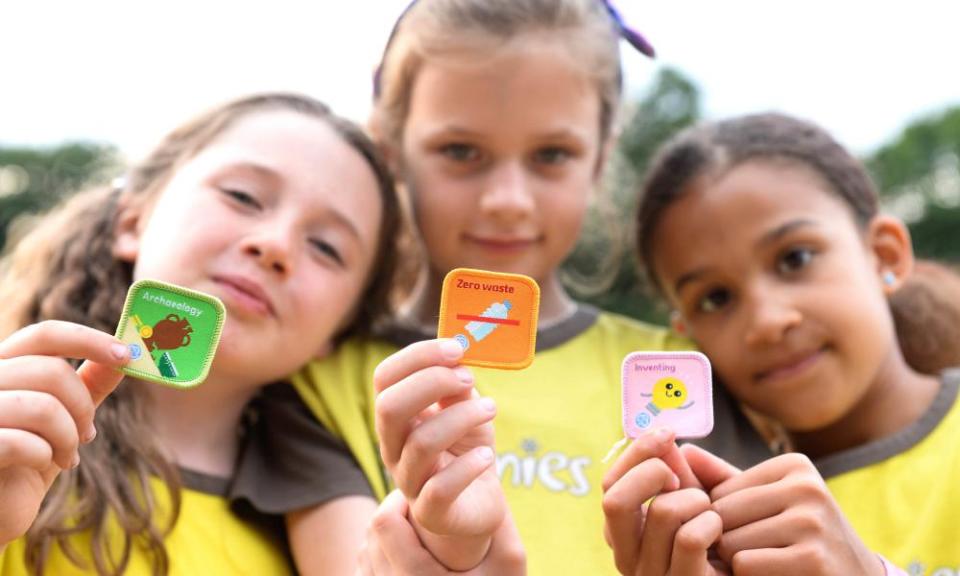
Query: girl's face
[780, 289]
[501, 157]
[279, 218]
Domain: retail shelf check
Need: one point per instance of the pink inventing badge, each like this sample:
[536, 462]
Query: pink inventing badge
[667, 390]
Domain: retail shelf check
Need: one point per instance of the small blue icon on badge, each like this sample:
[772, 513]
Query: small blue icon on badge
[135, 351]
[463, 341]
[642, 420]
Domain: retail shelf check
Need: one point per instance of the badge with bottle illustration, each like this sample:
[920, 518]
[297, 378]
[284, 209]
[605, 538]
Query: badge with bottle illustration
[172, 333]
[492, 315]
[667, 390]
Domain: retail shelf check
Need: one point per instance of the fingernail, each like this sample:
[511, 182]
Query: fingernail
[450, 349]
[119, 351]
[463, 374]
[485, 453]
[76, 460]
[90, 435]
[488, 404]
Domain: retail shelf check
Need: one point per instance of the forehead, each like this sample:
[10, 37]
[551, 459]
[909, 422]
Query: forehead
[525, 85]
[296, 152]
[735, 209]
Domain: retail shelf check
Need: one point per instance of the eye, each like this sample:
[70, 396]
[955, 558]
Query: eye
[241, 197]
[328, 250]
[460, 152]
[677, 394]
[794, 259]
[669, 386]
[714, 300]
[552, 155]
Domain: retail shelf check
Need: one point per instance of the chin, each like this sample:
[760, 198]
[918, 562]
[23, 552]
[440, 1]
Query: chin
[809, 420]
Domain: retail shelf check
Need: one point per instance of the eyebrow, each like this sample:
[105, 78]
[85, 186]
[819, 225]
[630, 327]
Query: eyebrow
[265, 171]
[460, 131]
[784, 229]
[765, 240]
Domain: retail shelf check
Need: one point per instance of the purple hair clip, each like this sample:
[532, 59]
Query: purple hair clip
[629, 34]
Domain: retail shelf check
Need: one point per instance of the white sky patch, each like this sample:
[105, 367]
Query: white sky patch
[125, 72]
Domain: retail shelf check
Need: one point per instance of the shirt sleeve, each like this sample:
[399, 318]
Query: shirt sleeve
[289, 461]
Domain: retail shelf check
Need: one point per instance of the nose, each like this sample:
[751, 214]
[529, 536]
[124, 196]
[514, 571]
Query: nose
[272, 247]
[771, 316]
[508, 193]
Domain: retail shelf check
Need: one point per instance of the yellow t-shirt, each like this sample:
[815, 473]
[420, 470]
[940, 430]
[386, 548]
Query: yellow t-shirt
[900, 493]
[555, 422]
[207, 539]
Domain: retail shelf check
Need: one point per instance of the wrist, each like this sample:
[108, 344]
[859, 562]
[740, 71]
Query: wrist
[455, 553]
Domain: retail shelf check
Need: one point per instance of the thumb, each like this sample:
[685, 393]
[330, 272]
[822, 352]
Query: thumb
[709, 469]
[100, 379]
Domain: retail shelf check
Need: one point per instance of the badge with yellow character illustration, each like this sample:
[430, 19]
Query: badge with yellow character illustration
[667, 390]
[172, 333]
[492, 315]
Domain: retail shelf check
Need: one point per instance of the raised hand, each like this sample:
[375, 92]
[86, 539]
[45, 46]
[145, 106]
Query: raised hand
[436, 439]
[47, 410]
[779, 518]
[674, 533]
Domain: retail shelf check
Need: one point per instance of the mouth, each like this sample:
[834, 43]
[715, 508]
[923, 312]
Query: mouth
[246, 295]
[789, 366]
[503, 243]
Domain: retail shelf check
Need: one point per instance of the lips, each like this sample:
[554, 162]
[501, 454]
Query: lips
[789, 365]
[503, 243]
[246, 294]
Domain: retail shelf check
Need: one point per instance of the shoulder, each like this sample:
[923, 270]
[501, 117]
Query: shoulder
[348, 369]
[641, 335]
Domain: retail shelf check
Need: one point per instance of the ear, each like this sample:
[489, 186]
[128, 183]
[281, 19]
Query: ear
[677, 323]
[889, 240]
[127, 229]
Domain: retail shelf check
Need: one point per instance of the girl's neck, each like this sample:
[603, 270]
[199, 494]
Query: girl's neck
[199, 426]
[422, 308]
[898, 397]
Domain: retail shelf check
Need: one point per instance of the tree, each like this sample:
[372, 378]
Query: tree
[918, 174]
[32, 180]
[602, 269]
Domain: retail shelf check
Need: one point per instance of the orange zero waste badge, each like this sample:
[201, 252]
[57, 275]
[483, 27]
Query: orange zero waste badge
[492, 315]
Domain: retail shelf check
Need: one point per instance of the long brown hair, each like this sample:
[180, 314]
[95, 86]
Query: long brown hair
[65, 269]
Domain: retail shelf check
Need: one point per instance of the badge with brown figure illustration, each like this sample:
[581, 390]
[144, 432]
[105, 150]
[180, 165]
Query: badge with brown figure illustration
[172, 332]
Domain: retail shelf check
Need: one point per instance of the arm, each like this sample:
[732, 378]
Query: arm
[437, 442]
[326, 539]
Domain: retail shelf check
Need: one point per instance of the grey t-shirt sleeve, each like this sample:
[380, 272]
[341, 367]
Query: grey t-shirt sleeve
[289, 461]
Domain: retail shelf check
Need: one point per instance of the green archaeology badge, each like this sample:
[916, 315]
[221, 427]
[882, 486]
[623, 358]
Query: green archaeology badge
[172, 333]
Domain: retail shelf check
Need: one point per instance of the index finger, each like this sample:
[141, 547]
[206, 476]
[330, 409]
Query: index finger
[766, 472]
[416, 357]
[655, 444]
[66, 340]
